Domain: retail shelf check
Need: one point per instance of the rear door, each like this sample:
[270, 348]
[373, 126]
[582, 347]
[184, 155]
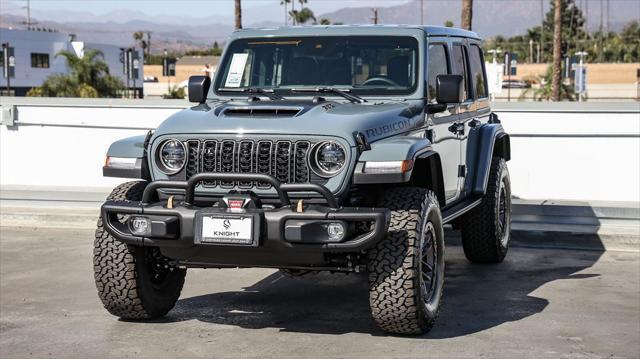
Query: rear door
[466, 109]
[478, 111]
[445, 142]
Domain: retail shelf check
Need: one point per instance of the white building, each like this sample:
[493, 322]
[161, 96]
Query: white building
[35, 59]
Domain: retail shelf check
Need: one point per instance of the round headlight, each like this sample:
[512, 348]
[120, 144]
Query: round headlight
[172, 156]
[328, 158]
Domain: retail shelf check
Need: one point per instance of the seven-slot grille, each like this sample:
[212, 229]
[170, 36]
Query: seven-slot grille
[285, 160]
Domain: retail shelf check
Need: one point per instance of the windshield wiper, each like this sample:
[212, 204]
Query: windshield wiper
[270, 93]
[337, 91]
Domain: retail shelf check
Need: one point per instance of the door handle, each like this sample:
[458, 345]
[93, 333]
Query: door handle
[474, 123]
[457, 128]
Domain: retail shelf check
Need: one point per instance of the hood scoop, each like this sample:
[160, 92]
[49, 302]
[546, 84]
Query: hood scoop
[261, 112]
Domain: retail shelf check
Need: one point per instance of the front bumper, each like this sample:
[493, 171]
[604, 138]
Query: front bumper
[280, 238]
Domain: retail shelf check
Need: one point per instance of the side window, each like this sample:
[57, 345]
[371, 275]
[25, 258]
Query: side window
[40, 60]
[438, 65]
[460, 68]
[477, 72]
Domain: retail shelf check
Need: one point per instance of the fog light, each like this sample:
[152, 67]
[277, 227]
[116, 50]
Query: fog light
[335, 231]
[139, 226]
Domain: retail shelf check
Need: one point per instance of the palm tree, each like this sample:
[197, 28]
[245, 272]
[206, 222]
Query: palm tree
[286, 13]
[302, 16]
[467, 14]
[557, 51]
[238, 15]
[138, 36]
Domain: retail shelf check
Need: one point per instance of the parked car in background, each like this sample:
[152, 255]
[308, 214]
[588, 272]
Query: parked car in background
[515, 84]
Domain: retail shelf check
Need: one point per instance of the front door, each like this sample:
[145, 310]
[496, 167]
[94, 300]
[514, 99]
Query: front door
[445, 140]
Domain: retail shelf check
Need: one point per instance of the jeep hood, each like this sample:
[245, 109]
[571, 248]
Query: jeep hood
[375, 120]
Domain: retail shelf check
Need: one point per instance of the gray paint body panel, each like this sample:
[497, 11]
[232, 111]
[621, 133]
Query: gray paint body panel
[394, 126]
[127, 147]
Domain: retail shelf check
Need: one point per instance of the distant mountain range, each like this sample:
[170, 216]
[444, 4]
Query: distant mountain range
[490, 18]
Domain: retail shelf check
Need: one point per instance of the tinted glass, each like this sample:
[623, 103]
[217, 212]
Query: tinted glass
[364, 65]
[40, 60]
[460, 68]
[437, 66]
[477, 72]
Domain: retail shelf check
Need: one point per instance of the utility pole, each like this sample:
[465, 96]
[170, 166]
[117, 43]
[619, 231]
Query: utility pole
[375, 15]
[285, 12]
[600, 29]
[541, 52]
[530, 51]
[148, 45]
[586, 19]
[421, 12]
[8, 64]
[29, 23]
[608, 13]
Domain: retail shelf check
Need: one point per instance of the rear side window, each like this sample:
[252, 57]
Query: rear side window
[460, 67]
[438, 65]
[477, 71]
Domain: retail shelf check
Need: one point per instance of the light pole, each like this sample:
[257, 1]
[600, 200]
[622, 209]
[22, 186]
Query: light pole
[166, 62]
[581, 82]
[494, 52]
[495, 69]
[530, 51]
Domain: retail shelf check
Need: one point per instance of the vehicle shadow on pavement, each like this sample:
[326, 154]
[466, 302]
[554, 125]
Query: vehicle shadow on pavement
[476, 297]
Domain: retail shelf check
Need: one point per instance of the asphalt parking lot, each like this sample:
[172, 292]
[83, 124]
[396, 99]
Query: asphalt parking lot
[539, 303]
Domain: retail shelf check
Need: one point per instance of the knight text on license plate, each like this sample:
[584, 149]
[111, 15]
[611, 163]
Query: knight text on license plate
[227, 229]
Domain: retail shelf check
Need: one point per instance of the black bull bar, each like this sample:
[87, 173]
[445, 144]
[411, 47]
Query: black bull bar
[175, 227]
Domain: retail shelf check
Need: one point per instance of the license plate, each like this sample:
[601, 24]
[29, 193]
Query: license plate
[227, 229]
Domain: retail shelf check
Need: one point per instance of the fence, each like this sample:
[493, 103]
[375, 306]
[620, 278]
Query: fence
[564, 151]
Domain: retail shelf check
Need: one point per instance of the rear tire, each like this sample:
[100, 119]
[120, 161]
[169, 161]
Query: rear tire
[406, 269]
[486, 229]
[133, 282]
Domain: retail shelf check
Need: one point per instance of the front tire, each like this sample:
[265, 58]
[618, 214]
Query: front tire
[486, 229]
[406, 269]
[133, 282]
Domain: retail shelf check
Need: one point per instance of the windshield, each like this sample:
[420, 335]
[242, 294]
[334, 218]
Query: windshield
[365, 65]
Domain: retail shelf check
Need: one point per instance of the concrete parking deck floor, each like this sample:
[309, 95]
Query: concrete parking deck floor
[539, 303]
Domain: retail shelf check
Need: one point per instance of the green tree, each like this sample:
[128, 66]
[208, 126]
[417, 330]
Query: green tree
[216, 50]
[175, 93]
[138, 36]
[545, 91]
[572, 23]
[448, 23]
[89, 77]
[302, 16]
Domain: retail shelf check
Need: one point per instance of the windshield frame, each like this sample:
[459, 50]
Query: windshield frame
[413, 92]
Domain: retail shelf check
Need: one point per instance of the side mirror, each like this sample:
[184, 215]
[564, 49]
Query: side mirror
[449, 89]
[198, 88]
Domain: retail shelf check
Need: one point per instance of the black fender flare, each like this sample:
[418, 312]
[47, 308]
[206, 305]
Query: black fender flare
[483, 144]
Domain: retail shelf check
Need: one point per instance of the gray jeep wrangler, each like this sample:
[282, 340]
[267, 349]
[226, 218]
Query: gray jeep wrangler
[326, 148]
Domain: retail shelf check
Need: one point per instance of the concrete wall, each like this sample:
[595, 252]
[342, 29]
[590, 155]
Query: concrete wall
[568, 151]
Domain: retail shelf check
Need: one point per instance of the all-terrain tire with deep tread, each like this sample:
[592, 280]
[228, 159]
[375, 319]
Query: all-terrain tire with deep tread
[482, 231]
[395, 296]
[121, 272]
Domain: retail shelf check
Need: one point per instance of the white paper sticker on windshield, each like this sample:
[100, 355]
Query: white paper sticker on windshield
[236, 70]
